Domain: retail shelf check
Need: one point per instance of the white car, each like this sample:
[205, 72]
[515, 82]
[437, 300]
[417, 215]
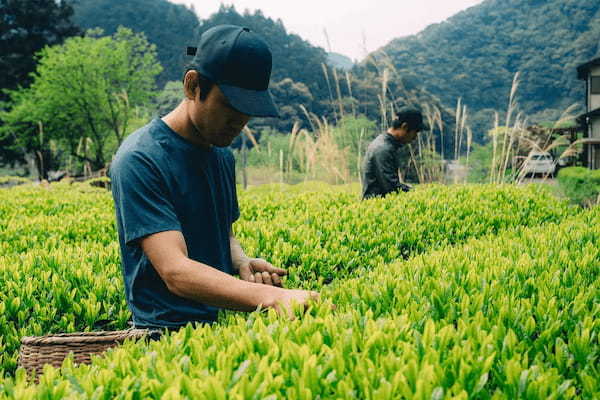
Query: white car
[539, 163]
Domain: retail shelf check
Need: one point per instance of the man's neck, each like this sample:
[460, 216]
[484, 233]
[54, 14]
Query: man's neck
[394, 134]
[179, 121]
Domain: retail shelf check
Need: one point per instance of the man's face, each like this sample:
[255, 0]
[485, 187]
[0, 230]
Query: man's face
[215, 120]
[411, 135]
[405, 134]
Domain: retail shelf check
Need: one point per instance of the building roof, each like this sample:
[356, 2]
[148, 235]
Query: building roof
[583, 69]
[583, 118]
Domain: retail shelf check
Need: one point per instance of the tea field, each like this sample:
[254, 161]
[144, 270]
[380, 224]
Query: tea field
[447, 292]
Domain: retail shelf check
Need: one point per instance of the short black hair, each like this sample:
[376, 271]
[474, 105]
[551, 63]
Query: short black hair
[413, 118]
[204, 83]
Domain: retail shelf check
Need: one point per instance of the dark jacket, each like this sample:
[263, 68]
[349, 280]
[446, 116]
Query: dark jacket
[380, 168]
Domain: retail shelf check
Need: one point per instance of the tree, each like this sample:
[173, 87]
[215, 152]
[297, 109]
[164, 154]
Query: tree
[171, 27]
[168, 98]
[26, 26]
[26, 134]
[354, 134]
[289, 97]
[84, 94]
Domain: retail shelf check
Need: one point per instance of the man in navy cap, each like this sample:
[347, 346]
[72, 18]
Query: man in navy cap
[380, 168]
[173, 183]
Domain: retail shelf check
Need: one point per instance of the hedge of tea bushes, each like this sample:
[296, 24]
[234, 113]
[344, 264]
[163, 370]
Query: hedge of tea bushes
[63, 289]
[515, 316]
[59, 264]
[320, 235]
[59, 256]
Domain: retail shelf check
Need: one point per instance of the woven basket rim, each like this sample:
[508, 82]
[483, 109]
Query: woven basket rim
[83, 337]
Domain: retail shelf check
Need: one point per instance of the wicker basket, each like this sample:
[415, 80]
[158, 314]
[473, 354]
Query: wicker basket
[36, 351]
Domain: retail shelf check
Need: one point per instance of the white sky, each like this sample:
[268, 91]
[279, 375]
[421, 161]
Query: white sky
[346, 22]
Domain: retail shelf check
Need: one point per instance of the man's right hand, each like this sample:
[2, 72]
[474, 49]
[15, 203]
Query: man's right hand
[284, 303]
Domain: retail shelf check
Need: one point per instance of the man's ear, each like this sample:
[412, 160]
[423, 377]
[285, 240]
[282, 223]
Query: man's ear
[190, 84]
[404, 126]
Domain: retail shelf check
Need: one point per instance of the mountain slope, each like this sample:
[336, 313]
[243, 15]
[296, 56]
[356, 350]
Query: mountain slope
[476, 53]
[340, 61]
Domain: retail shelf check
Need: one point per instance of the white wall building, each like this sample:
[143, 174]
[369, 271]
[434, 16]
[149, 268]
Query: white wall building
[590, 73]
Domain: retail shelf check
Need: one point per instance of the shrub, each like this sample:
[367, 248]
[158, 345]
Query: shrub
[580, 185]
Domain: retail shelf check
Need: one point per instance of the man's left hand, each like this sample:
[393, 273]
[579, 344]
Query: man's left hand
[258, 270]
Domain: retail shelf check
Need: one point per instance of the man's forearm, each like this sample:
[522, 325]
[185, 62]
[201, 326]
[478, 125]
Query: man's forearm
[202, 283]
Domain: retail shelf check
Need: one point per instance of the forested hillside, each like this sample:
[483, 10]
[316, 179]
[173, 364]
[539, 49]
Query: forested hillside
[475, 55]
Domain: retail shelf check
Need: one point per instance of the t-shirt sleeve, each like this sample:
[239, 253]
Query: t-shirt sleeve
[142, 200]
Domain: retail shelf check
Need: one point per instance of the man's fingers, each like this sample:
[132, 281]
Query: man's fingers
[276, 280]
[245, 274]
[274, 270]
[258, 277]
[278, 271]
[264, 265]
[266, 277]
[251, 278]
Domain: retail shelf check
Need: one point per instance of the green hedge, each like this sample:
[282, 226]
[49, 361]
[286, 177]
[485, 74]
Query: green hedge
[580, 185]
[515, 316]
[59, 256]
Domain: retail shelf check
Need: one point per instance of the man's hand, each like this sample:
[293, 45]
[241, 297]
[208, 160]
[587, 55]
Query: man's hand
[284, 304]
[405, 188]
[257, 270]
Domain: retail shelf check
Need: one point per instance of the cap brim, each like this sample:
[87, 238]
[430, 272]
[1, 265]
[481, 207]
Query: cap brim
[256, 103]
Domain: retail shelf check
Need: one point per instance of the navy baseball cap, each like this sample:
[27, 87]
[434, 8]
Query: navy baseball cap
[239, 62]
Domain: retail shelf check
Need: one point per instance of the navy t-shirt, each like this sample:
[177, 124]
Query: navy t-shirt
[162, 182]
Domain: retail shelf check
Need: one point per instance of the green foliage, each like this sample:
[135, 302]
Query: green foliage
[473, 55]
[27, 27]
[13, 180]
[168, 98]
[65, 236]
[354, 134]
[348, 234]
[289, 97]
[84, 92]
[170, 27]
[480, 161]
[272, 143]
[580, 185]
[512, 314]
